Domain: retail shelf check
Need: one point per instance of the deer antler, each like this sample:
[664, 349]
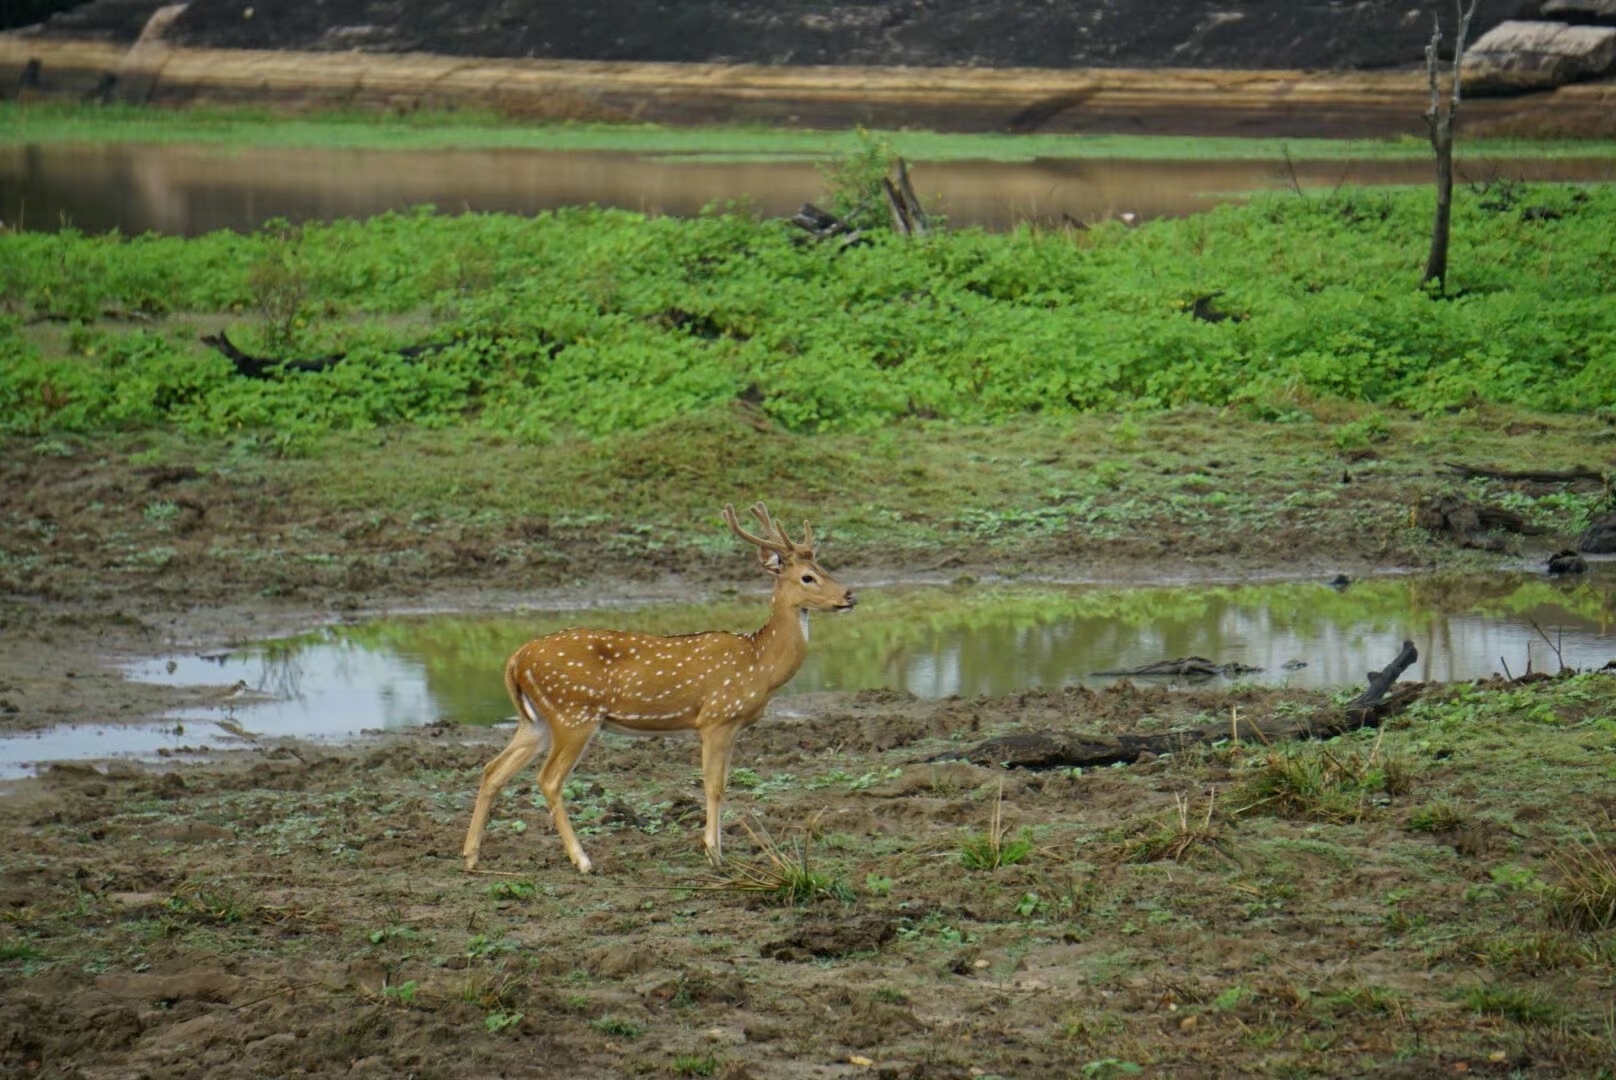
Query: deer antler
[777, 545]
[778, 542]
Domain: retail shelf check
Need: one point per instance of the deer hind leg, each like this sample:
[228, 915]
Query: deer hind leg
[717, 743]
[529, 740]
[572, 735]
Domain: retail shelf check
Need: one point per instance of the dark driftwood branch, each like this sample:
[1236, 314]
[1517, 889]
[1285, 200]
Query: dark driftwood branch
[264, 367]
[1187, 667]
[822, 225]
[1537, 476]
[267, 367]
[1065, 750]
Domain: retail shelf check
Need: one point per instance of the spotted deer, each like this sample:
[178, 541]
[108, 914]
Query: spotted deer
[568, 685]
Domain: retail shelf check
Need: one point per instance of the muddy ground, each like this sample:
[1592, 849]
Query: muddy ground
[301, 909]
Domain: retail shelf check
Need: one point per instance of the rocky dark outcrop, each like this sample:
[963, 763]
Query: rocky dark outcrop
[1256, 34]
[1580, 12]
[1600, 537]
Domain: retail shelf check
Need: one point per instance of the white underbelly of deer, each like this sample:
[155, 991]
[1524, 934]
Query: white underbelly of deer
[567, 686]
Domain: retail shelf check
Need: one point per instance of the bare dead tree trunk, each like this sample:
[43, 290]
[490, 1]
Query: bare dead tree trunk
[1439, 119]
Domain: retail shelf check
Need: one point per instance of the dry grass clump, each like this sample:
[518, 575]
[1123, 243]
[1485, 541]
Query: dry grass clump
[1585, 898]
[1185, 834]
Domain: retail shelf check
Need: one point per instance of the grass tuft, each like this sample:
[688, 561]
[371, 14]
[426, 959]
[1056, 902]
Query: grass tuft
[782, 873]
[990, 850]
[1323, 782]
[1181, 837]
[1524, 1005]
[1585, 898]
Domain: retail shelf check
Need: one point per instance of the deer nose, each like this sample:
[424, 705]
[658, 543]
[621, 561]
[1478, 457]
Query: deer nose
[848, 602]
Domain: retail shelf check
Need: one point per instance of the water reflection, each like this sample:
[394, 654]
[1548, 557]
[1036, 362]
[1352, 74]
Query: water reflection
[189, 190]
[932, 642]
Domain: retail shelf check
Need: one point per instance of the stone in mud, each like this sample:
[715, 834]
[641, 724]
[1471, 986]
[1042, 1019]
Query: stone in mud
[1567, 562]
[1468, 522]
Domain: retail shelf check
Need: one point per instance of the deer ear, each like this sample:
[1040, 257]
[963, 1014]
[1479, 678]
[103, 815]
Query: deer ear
[771, 561]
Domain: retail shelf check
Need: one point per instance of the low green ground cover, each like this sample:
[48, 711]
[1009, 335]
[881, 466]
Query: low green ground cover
[597, 322]
[51, 122]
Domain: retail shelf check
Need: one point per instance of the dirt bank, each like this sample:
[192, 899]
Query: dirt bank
[1280, 103]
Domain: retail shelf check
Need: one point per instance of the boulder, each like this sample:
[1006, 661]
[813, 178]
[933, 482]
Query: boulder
[1598, 12]
[1600, 537]
[1519, 56]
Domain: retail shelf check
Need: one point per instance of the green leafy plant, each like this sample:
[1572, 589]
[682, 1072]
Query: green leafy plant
[403, 993]
[496, 1022]
[512, 890]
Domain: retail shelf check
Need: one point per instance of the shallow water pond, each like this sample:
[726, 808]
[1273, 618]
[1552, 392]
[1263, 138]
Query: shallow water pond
[190, 190]
[929, 641]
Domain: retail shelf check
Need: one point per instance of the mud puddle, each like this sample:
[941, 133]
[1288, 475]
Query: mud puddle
[932, 642]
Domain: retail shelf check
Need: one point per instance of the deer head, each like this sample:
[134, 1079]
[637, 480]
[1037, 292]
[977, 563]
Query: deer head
[799, 581]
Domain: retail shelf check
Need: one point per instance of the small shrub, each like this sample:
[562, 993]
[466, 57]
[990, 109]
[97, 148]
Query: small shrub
[855, 179]
[279, 279]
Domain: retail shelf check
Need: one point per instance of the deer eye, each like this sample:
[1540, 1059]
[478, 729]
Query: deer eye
[807, 579]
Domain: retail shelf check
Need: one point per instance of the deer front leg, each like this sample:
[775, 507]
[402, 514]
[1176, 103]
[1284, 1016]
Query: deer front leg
[717, 743]
[523, 748]
[570, 737]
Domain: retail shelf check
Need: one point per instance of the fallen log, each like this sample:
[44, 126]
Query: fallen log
[264, 367]
[1187, 667]
[1066, 749]
[1534, 476]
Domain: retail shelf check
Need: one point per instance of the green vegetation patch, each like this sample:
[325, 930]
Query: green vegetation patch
[597, 322]
[51, 122]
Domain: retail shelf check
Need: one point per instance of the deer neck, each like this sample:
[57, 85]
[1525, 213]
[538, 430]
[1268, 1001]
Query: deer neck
[782, 643]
